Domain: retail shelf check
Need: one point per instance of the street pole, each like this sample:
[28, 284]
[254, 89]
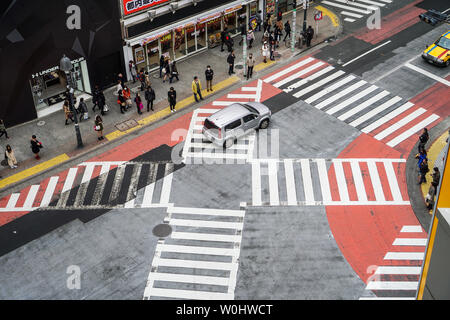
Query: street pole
[66, 66]
[305, 6]
[294, 23]
[244, 41]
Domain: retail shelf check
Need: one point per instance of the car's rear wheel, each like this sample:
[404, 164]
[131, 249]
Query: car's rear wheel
[264, 124]
[228, 143]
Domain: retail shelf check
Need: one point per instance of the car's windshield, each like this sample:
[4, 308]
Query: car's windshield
[250, 108]
[444, 43]
[210, 125]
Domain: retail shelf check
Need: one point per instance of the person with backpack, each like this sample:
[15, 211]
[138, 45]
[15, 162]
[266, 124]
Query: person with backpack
[149, 96]
[83, 110]
[35, 147]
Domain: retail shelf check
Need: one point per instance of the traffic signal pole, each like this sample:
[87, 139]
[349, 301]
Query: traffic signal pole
[294, 23]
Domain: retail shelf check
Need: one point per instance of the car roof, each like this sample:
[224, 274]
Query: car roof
[228, 114]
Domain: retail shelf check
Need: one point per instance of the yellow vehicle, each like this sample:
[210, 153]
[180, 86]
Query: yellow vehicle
[439, 52]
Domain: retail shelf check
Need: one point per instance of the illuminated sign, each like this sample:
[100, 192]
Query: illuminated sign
[132, 6]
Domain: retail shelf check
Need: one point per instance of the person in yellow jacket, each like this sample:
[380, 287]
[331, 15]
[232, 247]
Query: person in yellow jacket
[197, 88]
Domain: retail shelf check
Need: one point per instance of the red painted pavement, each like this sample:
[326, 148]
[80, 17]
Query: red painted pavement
[392, 24]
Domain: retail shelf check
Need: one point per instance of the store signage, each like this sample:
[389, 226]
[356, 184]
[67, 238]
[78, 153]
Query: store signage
[318, 15]
[52, 69]
[233, 8]
[132, 6]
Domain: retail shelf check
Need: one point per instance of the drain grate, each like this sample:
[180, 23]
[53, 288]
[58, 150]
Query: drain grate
[124, 126]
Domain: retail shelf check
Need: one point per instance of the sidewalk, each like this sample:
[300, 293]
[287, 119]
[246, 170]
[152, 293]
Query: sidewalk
[60, 142]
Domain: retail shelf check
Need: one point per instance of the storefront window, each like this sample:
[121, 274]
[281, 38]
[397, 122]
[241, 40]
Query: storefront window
[190, 37]
[253, 8]
[179, 43]
[214, 29]
[167, 46]
[153, 54]
[139, 57]
[201, 35]
[230, 22]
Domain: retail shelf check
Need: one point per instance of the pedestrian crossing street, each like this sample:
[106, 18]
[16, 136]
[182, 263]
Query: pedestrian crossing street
[356, 9]
[366, 107]
[200, 258]
[398, 277]
[309, 182]
[197, 150]
[98, 185]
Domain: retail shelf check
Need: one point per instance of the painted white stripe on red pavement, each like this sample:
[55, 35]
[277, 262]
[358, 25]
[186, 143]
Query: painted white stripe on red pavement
[383, 119]
[408, 133]
[287, 70]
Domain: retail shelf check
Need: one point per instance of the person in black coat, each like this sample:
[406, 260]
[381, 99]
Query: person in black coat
[223, 36]
[161, 65]
[209, 74]
[35, 147]
[172, 97]
[230, 61]
[287, 29]
[149, 96]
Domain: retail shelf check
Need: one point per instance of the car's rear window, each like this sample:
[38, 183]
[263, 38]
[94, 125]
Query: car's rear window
[209, 125]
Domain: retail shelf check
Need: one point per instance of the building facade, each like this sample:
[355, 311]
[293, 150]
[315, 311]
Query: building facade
[34, 36]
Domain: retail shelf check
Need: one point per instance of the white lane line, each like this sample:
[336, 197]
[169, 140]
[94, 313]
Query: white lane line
[324, 183]
[350, 100]
[235, 146]
[49, 191]
[446, 10]
[364, 6]
[193, 264]
[392, 179]
[318, 84]
[349, 20]
[376, 182]
[406, 134]
[398, 270]
[341, 182]
[188, 139]
[197, 250]
[402, 122]
[166, 188]
[12, 200]
[329, 89]
[187, 294]
[383, 119]
[273, 183]
[87, 172]
[298, 74]
[340, 94]
[363, 105]
[249, 89]
[69, 179]
[206, 224]
[225, 103]
[345, 7]
[358, 179]
[379, 4]
[410, 242]
[366, 53]
[205, 236]
[428, 74]
[387, 298]
[392, 285]
[351, 14]
[287, 70]
[206, 211]
[148, 195]
[308, 79]
[290, 182]
[387, 1]
[31, 196]
[206, 111]
[411, 229]
[307, 181]
[188, 278]
[404, 256]
[241, 96]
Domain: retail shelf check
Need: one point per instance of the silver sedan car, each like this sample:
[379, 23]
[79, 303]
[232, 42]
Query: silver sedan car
[225, 126]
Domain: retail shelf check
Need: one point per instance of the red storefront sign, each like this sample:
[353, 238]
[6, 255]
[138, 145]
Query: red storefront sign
[132, 6]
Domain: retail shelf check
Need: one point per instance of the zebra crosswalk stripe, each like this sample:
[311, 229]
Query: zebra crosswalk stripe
[330, 89]
[319, 84]
[345, 7]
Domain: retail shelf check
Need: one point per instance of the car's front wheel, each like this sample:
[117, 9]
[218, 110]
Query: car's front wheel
[264, 124]
[228, 143]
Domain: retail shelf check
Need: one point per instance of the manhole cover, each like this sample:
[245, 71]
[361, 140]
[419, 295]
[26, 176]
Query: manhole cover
[239, 66]
[41, 123]
[162, 230]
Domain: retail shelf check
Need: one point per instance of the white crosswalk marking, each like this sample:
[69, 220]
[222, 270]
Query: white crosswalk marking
[312, 174]
[174, 252]
[355, 102]
[298, 74]
[346, 7]
[49, 191]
